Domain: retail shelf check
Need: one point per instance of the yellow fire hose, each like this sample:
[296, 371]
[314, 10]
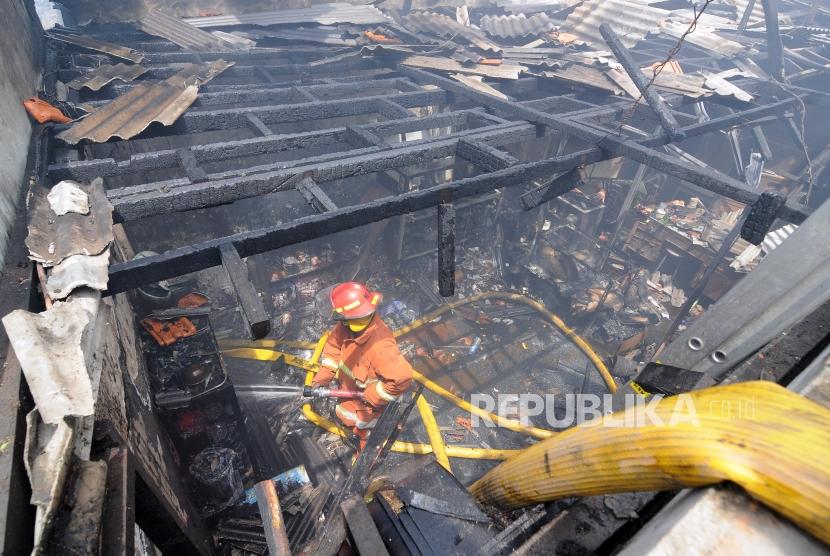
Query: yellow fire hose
[433, 432]
[263, 350]
[768, 440]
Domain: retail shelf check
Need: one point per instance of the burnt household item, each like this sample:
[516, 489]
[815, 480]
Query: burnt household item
[192, 300]
[168, 332]
[214, 470]
[154, 295]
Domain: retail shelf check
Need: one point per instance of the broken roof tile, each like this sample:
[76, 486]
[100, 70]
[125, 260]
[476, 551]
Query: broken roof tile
[78, 271]
[131, 113]
[105, 74]
[53, 238]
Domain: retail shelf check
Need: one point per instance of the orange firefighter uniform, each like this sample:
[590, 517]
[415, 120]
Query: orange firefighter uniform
[369, 361]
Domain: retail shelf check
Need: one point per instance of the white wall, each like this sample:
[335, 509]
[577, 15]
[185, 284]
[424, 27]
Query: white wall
[19, 74]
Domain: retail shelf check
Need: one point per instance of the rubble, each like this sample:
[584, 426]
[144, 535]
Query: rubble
[595, 159]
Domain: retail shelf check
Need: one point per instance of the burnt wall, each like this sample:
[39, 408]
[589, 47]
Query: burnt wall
[20, 63]
[125, 416]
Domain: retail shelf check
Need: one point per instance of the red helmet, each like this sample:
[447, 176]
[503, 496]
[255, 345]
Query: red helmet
[353, 300]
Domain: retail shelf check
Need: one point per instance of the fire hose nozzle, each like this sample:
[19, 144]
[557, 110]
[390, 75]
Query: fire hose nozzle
[320, 392]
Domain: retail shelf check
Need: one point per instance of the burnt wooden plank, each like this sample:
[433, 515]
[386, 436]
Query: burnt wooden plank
[446, 249]
[483, 155]
[315, 196]
[552, 189]
[362, 527]
[253, 310]
[119, 508]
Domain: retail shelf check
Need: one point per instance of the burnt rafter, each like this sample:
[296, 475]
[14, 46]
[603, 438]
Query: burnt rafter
[132, 274]
[614, 145]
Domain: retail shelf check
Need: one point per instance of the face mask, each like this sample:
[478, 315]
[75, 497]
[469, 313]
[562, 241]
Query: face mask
[359, 325]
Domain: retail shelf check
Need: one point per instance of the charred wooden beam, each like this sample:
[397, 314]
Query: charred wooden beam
[446, 249]
[761, 141]
[389, 425]
[362, 527]
[361, 137]
[206, 120]
[272, 520]
[191, 168]
[119, 507]
[667, 119]
[775, 48]
[483, 155]
[315, 196]
[253, 310]
[616, 145]
[87, 170]
[554, 188]
[258, 125]
[141, 201]
[303, 93]
[750, 5]
[744, 117]
[392, 110]
[132, 274]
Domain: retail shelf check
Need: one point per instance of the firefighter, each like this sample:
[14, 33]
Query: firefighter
[363, 354]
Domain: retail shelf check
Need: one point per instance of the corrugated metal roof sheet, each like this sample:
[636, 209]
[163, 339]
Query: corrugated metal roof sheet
[704, 38]
[587, 76]
[445, 27]
[514, 26]
[177, 31]
[102, 75]
[631, 19]
[326, 14]
[115, 50]
[131, 113]
[535, 6]
[476, 82]
[503, 71]
[323, 35]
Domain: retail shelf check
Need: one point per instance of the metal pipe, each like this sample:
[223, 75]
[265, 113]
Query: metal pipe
[653, 98]
[272, 520]
[770, 441]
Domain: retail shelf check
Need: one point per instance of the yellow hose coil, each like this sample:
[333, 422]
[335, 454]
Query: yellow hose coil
[770, 441]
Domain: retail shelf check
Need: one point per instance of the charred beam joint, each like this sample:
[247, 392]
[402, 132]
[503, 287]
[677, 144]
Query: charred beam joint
[553, 189]
[360, 138]
[483, 155]
[761, 217]
[315, 196]
[253, 310]
[446, 249]
[657, 104]
[191, 167]
[257, 125]
[392, 110]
